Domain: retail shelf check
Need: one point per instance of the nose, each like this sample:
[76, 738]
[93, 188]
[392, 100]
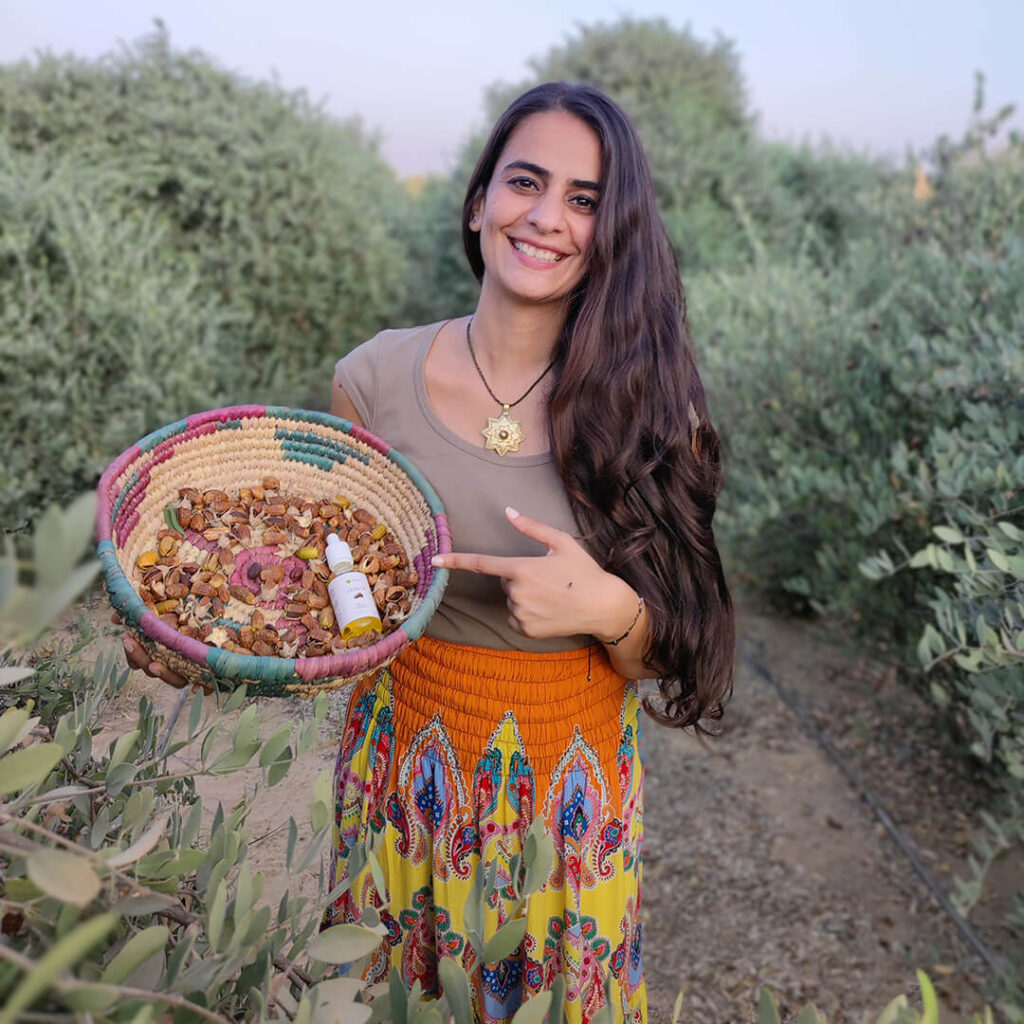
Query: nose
[547, 213]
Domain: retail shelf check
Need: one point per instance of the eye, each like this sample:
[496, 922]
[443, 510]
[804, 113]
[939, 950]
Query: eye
[522, 182]
[585, 203]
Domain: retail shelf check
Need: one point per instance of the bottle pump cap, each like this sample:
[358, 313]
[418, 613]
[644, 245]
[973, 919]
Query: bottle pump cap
[338, 553]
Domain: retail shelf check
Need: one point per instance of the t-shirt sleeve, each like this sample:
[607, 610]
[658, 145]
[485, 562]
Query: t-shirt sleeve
[356, 372]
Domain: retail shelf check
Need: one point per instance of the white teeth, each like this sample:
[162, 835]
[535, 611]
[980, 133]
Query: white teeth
[537, 254]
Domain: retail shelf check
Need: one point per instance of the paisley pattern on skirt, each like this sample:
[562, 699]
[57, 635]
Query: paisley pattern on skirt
[445, 761]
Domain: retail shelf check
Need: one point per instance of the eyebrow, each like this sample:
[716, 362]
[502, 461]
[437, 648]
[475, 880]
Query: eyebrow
[525, 165]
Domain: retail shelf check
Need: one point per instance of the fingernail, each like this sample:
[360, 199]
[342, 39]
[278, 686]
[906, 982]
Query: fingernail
[437, 561]
[511, 512]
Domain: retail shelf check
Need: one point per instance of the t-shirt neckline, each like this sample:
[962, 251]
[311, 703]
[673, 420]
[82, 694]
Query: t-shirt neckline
[430, 333]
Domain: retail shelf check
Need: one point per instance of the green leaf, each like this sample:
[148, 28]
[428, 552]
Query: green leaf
[275, 745]
[810, 1014]
[122, 748]
[949, 534]
[378, 876]
[557, 991]
[929, 1002]
[195, 713]
[64, 876]
[998, 559]
[455, 986]
[141, 906]
[335, 1002]
[24, 768]
[321, 807]
[234, 702]
[894, 1011]
[343, 943]
[207, 744]
[767, 1008]
[138, 948]
[279, 769]
[64, 954]
[918, 561]
[11, 674]
[505, 940]
[142, 845]
[677, 1007]
[533, 1010]
[539, 869]
[12, 721]
[215, 921]
[119, 776]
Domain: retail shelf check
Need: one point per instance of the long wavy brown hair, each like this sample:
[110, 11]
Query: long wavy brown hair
[628, 419]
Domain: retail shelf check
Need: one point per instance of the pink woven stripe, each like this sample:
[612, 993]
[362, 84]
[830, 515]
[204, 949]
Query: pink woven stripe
[421, 562]
[371, 439]
[444, 534]
[351, 663]
[232, 412]
[155, 628]
[128, 512]
[106, 491]
[124, 530]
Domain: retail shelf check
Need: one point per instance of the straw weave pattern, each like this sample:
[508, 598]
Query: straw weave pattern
[311, 454]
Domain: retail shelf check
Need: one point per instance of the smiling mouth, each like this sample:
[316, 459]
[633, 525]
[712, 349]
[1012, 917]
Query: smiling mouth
[537, 254]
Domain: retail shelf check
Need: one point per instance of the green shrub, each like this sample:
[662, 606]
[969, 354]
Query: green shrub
[172, 237]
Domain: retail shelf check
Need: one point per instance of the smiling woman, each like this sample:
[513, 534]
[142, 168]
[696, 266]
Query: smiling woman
[571, 393]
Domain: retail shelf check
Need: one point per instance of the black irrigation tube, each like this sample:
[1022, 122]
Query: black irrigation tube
[994, 963]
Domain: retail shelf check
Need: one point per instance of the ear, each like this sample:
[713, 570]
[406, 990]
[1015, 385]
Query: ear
[476, 212]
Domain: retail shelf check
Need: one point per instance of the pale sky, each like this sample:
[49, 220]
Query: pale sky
[874, 75]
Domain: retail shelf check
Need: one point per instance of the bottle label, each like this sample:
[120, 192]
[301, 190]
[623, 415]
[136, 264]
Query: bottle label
[352, 598]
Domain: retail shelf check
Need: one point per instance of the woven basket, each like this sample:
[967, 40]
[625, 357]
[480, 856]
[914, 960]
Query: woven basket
[309, 453]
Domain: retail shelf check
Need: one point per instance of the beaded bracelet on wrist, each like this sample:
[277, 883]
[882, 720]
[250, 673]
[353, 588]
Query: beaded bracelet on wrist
[636, 619]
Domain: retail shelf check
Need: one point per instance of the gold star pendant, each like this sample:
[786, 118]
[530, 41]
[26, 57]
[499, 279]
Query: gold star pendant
[503, 434]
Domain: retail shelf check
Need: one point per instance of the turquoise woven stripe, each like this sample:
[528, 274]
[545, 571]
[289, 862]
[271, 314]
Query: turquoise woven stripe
[417, 622]
[316, 444]
[123, 496]
[421, 482]
[230, 425]
[123, 597]
[311, 460]
[251, 666]
[325, 419]
[150, 441]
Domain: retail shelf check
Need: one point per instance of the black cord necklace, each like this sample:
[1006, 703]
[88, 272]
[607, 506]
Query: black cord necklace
[503, 433]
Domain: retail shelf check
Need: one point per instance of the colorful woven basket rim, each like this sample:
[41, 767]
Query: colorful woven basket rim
[227, 664]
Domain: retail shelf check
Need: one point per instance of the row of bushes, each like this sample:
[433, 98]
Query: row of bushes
[172, 238]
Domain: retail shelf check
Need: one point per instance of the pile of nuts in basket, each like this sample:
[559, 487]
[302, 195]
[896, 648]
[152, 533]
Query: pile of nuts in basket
[247, 572]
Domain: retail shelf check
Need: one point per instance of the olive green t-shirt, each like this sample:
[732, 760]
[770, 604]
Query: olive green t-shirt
[384, 377]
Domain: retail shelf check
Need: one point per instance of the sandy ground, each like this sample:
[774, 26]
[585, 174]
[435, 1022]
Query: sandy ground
[761, 863]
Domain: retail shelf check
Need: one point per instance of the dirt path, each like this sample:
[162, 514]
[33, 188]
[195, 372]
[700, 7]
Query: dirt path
[761, 865]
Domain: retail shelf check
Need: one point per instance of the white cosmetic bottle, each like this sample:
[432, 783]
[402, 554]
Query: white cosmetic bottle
[354, 608]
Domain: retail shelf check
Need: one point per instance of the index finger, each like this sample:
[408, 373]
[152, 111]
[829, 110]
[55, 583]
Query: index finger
[488, 565]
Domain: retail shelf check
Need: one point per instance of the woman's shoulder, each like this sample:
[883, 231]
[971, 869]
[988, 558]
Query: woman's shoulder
[396, 339]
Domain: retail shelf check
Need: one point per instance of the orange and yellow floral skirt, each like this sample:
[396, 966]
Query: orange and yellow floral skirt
[446, 759]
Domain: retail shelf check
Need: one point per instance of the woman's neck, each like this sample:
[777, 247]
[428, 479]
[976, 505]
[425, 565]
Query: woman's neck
[512, 339]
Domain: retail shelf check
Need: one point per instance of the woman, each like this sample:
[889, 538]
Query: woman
[572, 395]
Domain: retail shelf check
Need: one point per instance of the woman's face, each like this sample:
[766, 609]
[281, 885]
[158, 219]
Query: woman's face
[536, 219]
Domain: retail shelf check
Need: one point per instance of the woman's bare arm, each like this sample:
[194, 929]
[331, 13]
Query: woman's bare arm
[341, 405]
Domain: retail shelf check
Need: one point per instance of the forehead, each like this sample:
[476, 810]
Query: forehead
[557, 141]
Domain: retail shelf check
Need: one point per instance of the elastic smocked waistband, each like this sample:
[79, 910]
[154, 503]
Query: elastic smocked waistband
[473, 688]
